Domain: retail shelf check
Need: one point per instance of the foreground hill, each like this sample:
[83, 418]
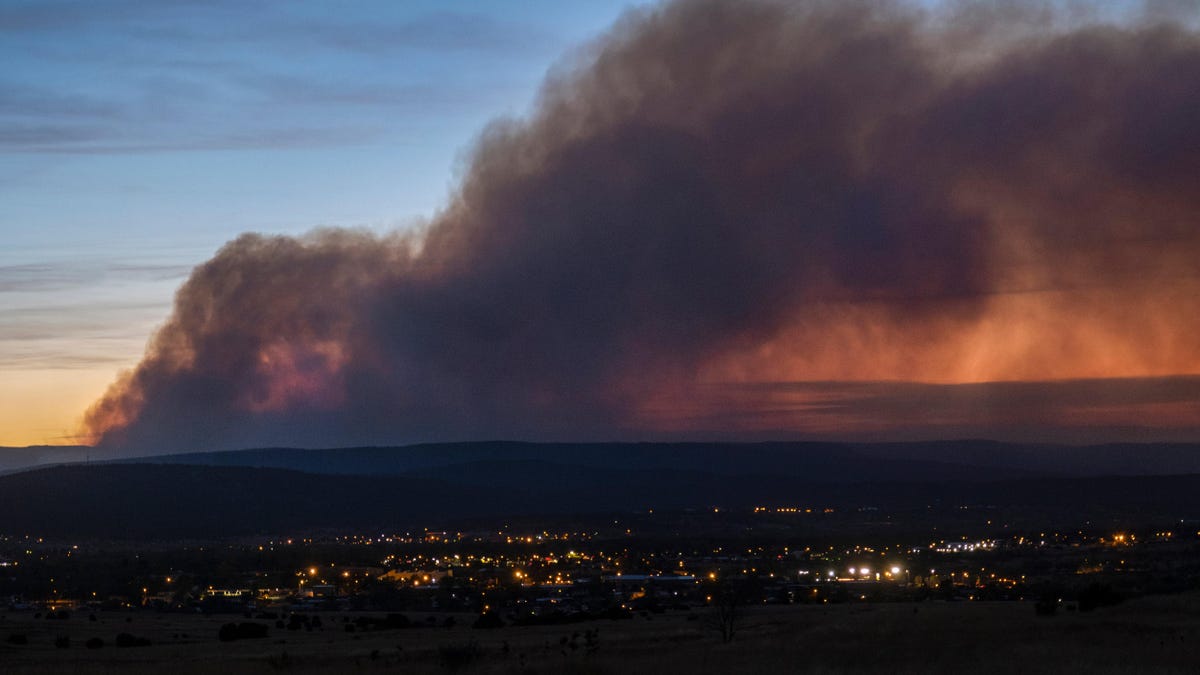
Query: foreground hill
[173, 501]
[854, 462]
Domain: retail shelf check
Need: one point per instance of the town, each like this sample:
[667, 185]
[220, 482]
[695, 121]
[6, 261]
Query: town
[520, 573]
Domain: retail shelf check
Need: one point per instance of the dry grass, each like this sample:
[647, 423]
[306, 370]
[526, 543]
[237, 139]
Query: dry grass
[1151, 635]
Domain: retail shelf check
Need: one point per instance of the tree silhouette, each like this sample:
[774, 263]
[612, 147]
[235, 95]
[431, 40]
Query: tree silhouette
[725, 611]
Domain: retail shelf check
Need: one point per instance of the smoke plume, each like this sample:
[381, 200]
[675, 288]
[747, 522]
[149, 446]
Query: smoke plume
[719, 196]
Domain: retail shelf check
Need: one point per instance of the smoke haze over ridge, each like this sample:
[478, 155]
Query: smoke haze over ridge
[744, 218]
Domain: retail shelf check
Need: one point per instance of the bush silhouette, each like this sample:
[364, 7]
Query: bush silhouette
[242, 631]
[127, 640]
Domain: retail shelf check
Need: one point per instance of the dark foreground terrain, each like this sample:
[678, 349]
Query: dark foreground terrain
[1157, 634]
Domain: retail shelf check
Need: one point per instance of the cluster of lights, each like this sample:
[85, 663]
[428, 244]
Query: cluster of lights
[785, 509]
[865, 572]
[966, 546]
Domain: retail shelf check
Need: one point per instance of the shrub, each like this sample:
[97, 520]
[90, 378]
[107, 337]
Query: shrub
[242, 631]
[127, 640]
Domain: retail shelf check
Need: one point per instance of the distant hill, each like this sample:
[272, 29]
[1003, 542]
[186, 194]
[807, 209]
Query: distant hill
[932, 460]
[820, 462]
[16, 459]
[935, 460]
[161, 501]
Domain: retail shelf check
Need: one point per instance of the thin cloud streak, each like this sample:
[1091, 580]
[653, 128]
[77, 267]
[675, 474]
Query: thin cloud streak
[1073, 411]
[81, 312]
[75, 273]
[198, 76]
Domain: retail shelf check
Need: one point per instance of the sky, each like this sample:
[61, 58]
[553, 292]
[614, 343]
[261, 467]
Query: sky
[573, 221]
[140, 135]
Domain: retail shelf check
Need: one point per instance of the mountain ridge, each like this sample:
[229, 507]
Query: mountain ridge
[999, 459]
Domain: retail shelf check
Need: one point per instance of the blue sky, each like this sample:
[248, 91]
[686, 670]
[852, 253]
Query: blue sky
[137, 136]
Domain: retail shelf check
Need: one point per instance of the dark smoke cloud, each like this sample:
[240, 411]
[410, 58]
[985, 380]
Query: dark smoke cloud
[729, 193]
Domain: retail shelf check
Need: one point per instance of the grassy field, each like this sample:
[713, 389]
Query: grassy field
[1148, 635]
